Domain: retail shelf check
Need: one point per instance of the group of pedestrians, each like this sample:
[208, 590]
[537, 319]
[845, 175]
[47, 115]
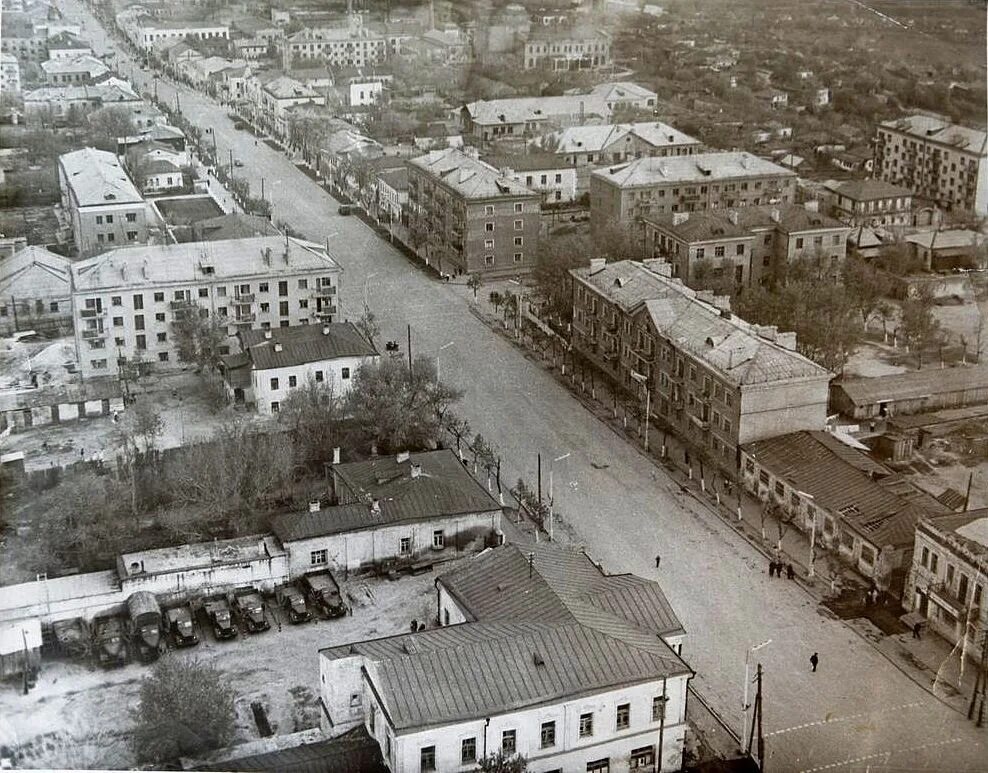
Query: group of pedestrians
[776, 568]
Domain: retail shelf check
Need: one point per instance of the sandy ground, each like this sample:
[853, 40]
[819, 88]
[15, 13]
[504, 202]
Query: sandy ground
[47, 358]
[81, 717]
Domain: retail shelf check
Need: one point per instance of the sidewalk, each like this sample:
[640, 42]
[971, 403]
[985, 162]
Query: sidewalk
[931, 662]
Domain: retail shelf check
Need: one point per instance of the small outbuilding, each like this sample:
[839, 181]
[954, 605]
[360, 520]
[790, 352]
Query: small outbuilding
[914, 392]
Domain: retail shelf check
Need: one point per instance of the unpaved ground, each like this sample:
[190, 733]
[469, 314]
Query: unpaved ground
[81, 717]
[47, 358]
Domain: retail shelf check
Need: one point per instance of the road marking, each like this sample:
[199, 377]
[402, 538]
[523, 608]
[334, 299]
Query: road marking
[878, 755]
[828, 720]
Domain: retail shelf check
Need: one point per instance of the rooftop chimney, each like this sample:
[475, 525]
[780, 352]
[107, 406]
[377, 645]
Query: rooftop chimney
[278, 347]
[314, 506]
[733, 216]
[267, 335]
[776, 216]
[375, 507]
[403, 456]
[416, 470]
[336, 455]
[597, 264]
[787, 340]
[678, 218]
[325, 330]
[812, 206]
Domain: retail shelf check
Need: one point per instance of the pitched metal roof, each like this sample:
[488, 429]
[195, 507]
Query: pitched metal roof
[470, 177]
[927, 127]
[868, 190]
[882, 507]
[24, 262]
[698, 168]
[464, 672]
[301, 344]
[913, 384]
[442, 488]
[97, 178]
[495, 112]
[352, 752]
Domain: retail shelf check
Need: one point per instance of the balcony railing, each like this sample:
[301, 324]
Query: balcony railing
[325, 291]
[91, 313]
[243, 298]
[182, 304]
[92, 335]
[326, 311]
[244, 319]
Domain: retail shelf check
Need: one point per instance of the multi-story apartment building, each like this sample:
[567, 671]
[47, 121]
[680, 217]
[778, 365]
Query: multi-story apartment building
[561, 49]
[337, 46]
[124, 302]
[870, 203]
[145, 32]
[104, 207]
[947, 580]
[22, 38]
[68, 46]
[702, 372]
[526, 117]
[745, 246]
[272, 363]
[465, 217]
[591, 147]
[10, 74]
[654, 186]
[546, 173]
[587, 684]
[937, 160]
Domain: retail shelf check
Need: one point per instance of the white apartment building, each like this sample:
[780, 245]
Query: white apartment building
[273, 362]
[337, 46]
[569, 669]
[104, 206]
[545, 173]
[146, 33]
[124, 302]
[938, 160]
[10, 74]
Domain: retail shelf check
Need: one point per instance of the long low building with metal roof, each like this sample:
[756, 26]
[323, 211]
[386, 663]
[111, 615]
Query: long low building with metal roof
[918, 391]
[544, 655]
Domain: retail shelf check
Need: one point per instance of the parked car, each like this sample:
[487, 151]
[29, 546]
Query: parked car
[291, 600]
[237, 162]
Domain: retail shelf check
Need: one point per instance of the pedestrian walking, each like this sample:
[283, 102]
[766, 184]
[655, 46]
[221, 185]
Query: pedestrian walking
[658, 560]
[814, 661]
[917, 627]
[790, 571]
[771, 567]
[415, 626]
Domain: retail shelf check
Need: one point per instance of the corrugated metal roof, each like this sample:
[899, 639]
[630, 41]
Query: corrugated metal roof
[914, 384]
[352, 752]
[699, 168]
[97, 178]
[443, 488]
[882, 507]
[301, 344]
[470, 177]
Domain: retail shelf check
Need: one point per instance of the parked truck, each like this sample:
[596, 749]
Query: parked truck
[72, 638]
[181, 627]
[145, 625]
[110, 641]
[323, 593]
[217, 612]
[249, 609]
[292, 602]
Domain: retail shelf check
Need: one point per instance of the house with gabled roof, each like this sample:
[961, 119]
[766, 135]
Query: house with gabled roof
[540, 653]
[408, 509]
[35, 292]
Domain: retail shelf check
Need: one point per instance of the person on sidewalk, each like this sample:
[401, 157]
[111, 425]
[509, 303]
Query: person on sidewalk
[814, 661]
[790, 572]
[658, 560]
[917, 628]
[771, 568]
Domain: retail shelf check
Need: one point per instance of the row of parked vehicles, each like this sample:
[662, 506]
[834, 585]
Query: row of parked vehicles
[146, 631]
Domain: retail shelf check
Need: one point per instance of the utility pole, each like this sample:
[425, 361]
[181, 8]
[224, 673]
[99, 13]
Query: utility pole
[757, 724]
[540, 477]
[978, 694]
[231, 159]
[409, 351]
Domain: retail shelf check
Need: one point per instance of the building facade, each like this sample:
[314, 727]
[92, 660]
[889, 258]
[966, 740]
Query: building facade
[699, 370]
[947, 580]
[653, 186]
[125, 302]
[34, 293]
[870, 203]
[105, 208]
[81, 70]
[937, 160]
[392, 511]
[465, 217]
[567, 48]
[272, 363]
[10, 74]
[558, 698]
[546, 173]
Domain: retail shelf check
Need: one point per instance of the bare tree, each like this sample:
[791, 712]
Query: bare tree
[314, 413]
[460, 429]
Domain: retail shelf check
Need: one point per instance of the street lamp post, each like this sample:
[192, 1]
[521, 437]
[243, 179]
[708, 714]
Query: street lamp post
[642, 379]
[557, 459]
[747, 680]
[438, 355]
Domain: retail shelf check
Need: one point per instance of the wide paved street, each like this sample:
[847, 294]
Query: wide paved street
[857, 712]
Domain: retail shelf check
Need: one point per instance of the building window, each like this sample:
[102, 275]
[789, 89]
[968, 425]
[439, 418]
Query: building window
[283, 288]
[275, 406]
[799, 242]
[925, 556]
[548, 735]
[599, 766]
[99, 220]
[519, 225]
[519, 257]
[162, 337]
[509, 742]
[274, 383]
[642, 758]
[405, 546]
[586, 725]
[131, 217]
[488, 260]
[319, 376]
[488, 244]
[142, 342]
[138, 302]
[292, 381]
[519, 206]
[489, 209]
[118, 321]
[162, 356]
[427, 758]
[659, 707]
[438, 539]
[262, 287]
[623, 716]
[138, 321]
[345, 374]
[468, 751]
[519, 240]
[700, 252]
[934, 561]
[283, 308]
[489, 227]
[719, 251]
[318, 557]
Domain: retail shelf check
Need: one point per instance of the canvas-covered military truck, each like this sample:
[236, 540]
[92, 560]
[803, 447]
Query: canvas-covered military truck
[145, 625]
[248, 607]
[323, 593]
[110, 641]
[219, 618]
[291, 601]
[181, 627]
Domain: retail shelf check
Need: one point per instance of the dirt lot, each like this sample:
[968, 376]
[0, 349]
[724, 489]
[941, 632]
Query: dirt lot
[81, 717]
